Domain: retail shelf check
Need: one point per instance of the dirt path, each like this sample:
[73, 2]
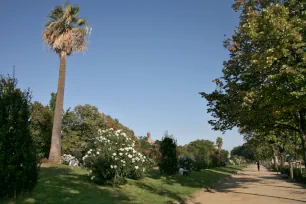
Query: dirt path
[251, 186]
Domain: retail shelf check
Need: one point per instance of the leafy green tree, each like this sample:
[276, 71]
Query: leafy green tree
[201, 149]
[80, 126]
[182, 151]
[65, 34]
[246, 151]
[41, 128]
[224, 157]
[168, 162]
[263, 82]
[18, 159]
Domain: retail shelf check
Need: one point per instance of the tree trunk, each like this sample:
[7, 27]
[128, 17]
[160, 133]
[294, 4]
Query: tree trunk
[55, 150]
[274, 157]
[304, 149]
[303, 132]
[282, 158]
[275, 163]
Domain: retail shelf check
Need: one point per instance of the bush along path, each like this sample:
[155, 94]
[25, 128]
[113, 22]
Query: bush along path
[64, 184]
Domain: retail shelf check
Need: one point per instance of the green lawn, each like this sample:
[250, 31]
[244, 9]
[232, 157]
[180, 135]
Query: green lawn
[64, 184]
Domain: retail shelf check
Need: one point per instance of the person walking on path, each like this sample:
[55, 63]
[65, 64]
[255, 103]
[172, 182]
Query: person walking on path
[258, 165]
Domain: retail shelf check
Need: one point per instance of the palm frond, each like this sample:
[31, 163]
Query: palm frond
[56, 13]
[81, 22]
[65, 32]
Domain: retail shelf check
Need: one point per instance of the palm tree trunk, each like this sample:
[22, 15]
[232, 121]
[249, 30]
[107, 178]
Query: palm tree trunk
[55, 150]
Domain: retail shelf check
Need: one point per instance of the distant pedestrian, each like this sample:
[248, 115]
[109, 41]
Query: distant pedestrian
[258, 165]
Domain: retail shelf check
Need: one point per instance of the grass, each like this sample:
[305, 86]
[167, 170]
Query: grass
[64, 184]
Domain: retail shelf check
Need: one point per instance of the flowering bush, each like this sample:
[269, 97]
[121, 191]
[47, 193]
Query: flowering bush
[113, 158]
[66, 158]
[152, 153]
[186, 163]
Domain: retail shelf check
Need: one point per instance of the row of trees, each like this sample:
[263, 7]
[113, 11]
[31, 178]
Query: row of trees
[206, 153]
[262, 90]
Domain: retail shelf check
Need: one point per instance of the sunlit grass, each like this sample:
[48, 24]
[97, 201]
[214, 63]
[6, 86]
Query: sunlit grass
[64, 184]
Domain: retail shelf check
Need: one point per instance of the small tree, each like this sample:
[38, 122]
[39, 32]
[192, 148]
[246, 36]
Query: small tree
[18, 159]
[168, 161]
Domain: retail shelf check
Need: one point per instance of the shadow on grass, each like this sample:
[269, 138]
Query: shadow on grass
[64, 185]
[194, 182]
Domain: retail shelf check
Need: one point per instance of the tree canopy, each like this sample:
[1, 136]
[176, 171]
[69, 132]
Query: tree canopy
[263, 84]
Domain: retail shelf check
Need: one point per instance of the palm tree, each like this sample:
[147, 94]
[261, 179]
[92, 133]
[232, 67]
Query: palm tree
[65, 33]
[219, 143]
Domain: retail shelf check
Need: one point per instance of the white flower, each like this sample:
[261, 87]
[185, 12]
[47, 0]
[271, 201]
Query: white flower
[120, 154]
[115, 166]
[123, 134]
[130, 156]
[143, 169]
[98, 152]
[92, 177]
[133, 160]
[136, 167]
[123, 164]
[116, 158]
[111, 129]
[114, 154]
[112, 166]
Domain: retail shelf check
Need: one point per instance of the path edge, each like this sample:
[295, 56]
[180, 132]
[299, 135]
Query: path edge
[205, 189]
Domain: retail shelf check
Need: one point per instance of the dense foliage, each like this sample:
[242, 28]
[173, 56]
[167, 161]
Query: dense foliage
[18, 159]
[41, 125]
[168, 161]
[186, 163]
[112, 158]
[204, 153]
[262, 89]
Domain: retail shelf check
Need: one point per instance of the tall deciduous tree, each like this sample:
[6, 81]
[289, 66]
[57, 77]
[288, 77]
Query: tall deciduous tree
[65, 34]
[263, 83]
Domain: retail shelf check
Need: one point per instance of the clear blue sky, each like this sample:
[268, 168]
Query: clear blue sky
[145, 65]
